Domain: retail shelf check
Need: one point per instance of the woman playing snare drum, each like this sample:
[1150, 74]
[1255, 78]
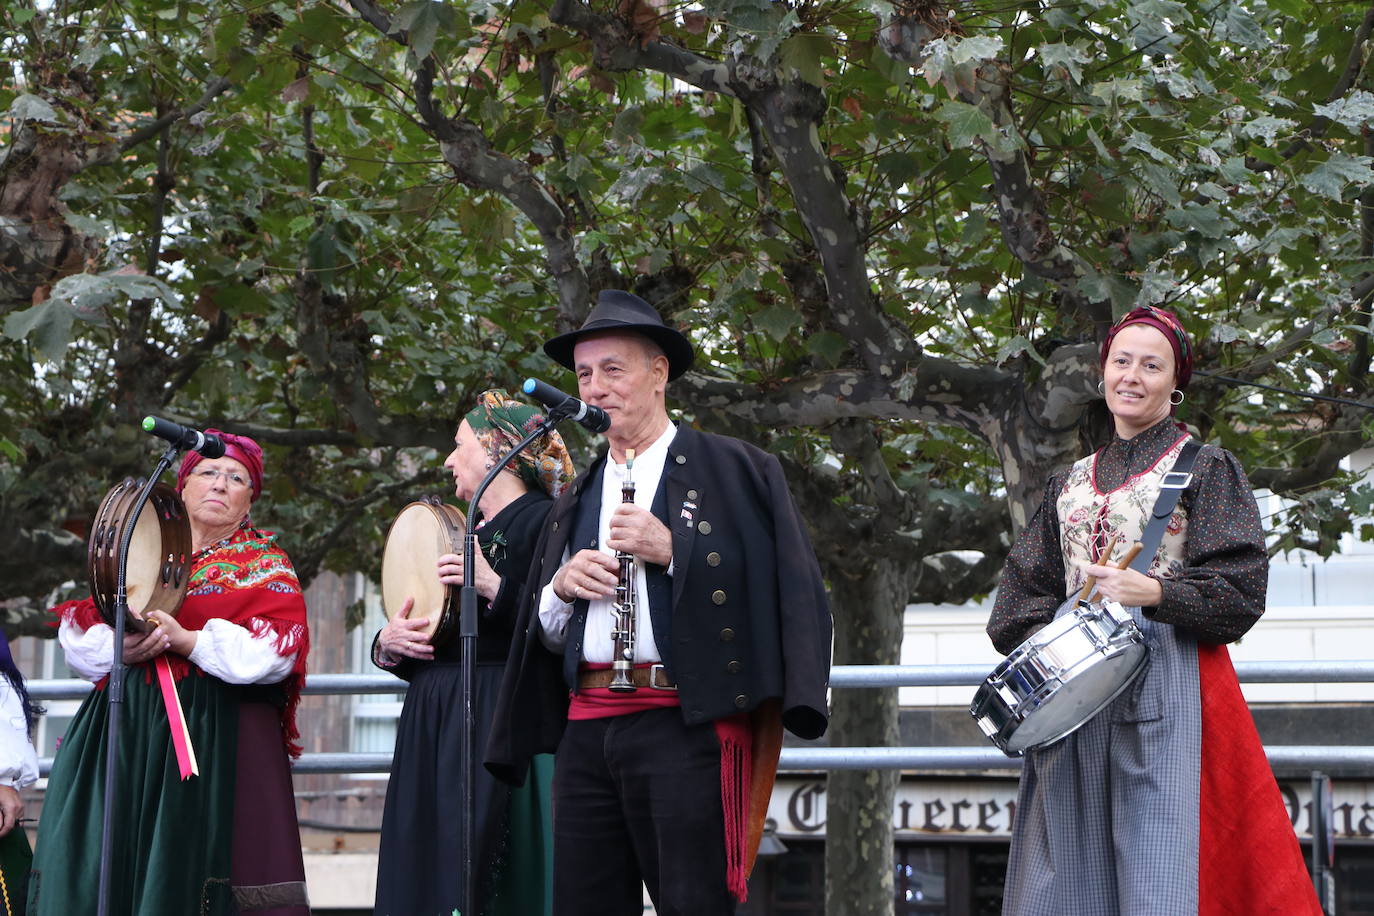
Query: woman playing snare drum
[1164, 802]
[224, 841]
[419, 868]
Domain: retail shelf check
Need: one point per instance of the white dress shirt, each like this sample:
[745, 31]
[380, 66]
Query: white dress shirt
[554, 612]
[18, 760]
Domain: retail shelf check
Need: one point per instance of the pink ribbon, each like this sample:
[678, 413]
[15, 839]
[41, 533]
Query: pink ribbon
[176, 720]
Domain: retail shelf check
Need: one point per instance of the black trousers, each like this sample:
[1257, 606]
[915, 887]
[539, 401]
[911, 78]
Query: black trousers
[636, 798]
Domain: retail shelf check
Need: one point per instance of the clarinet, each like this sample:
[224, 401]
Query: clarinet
[623, 607]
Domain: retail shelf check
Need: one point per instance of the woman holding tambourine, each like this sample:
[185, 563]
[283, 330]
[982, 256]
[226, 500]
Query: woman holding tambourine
[205, 820]
[419, 866]
[1163, 802]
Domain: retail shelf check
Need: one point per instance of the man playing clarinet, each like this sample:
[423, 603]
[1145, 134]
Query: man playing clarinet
[731, 635]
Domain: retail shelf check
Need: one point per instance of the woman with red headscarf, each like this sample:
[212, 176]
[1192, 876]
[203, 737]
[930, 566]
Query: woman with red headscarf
[1163, 802]
[226, 840]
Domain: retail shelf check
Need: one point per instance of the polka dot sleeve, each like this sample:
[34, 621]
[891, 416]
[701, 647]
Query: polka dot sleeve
[1032, 584]
[1219, 594]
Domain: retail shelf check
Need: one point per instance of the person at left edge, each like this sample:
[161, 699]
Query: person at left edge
[18, 770]
[418, 866]
[225, 841]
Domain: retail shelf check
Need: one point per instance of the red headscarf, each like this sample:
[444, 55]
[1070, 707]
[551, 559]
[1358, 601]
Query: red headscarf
[1166, 323]
[241, 448]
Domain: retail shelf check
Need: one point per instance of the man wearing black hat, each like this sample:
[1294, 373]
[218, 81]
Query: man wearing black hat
[662, 786]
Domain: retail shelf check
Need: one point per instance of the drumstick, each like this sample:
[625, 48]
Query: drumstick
[1092, 580]
[1125, 562]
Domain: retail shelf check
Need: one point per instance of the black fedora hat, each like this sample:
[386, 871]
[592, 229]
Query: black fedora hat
[617, 310]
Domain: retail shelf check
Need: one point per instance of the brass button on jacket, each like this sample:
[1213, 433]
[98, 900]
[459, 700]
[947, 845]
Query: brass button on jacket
[727, 634]
[703, 527]
[713, 559]
[718, 597]
[734, 667]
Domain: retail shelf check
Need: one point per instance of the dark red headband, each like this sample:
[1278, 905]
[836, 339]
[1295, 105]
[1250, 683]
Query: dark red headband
[1166, 323]
[241, 448]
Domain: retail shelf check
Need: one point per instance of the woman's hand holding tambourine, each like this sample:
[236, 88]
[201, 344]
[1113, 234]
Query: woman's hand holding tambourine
[404, 637]
[488, 583]
[140, 647]
[179, 639]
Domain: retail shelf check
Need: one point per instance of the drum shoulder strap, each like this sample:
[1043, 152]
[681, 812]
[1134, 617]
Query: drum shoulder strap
[1178, 479]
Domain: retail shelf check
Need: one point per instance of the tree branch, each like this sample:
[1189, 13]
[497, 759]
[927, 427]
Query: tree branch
[1354, 63]
[213, 90]
[616, 48]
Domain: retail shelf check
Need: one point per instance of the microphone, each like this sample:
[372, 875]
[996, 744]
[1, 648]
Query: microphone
[208, 444]
[592, 418]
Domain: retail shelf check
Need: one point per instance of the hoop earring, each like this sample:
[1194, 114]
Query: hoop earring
[1178, 392]
[1102, 388]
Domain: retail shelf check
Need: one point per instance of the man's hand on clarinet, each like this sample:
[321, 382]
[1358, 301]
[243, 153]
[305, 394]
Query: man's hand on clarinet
[635, 530]
[587, 574]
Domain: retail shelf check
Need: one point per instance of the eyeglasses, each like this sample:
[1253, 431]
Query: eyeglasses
[232, 479]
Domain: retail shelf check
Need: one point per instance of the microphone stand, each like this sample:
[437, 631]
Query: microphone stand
[115, 687]
[467, 635]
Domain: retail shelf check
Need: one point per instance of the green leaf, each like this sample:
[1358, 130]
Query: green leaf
[1015, 347]
[47, 325]
[803, 52]
[966, 123]
[29, 107]
[628, 121]
[1267, 127]
[1339, 171]
[1242, 28]
[778, 321]
[1068, 57]
[828, 345]
[1206, 219]
[1155, 286]
[1352, 111]
[421, 19]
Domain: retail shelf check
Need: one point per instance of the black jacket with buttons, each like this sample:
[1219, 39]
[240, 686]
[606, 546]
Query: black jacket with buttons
[749, 619]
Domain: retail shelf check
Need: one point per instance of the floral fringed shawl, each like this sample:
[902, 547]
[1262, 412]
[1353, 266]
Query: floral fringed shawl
[248, 580]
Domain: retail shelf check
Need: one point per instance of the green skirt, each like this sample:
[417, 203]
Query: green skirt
[172, 846]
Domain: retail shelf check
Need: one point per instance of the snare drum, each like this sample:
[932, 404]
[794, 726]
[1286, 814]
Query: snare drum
[1060, 677]
[159, 552]
[423, 532]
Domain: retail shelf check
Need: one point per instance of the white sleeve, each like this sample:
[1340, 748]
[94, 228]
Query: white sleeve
[90, 653]
[18, 760]
[554, 614]
[239, 655]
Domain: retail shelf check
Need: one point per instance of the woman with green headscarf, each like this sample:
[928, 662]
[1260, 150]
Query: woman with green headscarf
[419, 864]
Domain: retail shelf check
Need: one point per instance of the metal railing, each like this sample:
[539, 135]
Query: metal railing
[975, 759]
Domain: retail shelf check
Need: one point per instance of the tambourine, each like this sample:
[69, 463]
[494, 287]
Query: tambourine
[423, 532]
[159, 563]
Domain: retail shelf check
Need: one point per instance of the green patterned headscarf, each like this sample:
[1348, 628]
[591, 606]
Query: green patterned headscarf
[500, 422]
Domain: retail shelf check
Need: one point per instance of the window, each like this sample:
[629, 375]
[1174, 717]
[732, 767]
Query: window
[374, 714]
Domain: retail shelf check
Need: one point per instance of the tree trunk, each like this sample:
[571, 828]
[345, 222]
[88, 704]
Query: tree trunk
[868, 604]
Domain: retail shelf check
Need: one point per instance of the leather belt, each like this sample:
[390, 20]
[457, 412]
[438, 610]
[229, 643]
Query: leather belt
[654, 677]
